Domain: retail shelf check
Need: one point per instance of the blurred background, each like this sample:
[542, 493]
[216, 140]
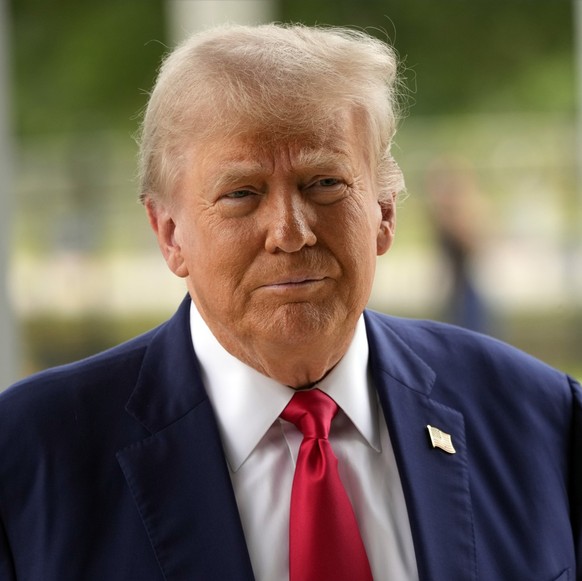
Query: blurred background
[489, 235]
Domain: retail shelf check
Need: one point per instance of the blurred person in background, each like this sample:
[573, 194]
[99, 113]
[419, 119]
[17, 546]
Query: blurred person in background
[274, 428]
[460, 217]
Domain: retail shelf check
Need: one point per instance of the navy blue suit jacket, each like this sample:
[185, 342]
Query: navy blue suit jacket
[112, 468]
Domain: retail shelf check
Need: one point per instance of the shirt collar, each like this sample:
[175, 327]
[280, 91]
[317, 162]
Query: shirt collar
[246, 402]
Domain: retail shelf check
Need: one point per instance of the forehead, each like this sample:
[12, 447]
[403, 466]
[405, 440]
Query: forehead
[297, 154]
[335, 144]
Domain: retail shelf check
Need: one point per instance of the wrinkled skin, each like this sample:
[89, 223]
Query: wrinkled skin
[278, 244]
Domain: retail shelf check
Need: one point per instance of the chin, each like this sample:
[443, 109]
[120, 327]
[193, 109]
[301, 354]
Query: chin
[299, 323]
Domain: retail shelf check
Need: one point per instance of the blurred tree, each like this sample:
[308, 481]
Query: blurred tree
[467, 55]
[83, 65]
[86, 65]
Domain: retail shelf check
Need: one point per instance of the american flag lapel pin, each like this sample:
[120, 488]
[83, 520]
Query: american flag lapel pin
[440, 439]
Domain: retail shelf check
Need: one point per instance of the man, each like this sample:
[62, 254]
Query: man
[268, 181]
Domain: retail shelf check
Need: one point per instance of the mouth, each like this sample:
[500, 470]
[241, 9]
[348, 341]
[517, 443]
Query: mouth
[294, 283]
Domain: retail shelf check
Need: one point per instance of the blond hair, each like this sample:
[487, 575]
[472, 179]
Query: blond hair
[286, 79]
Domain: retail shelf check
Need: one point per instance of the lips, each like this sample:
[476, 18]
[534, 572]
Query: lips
[307, 270]
[296, 280]
[296, 287]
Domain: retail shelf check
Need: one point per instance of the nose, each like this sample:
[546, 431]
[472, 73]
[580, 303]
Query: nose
[289, 223]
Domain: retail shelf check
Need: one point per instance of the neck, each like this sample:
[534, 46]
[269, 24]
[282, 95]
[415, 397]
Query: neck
[297, 365]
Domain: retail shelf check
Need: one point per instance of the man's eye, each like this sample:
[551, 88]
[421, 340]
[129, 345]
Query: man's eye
[327, 190]
[239, 194]
[328, 182]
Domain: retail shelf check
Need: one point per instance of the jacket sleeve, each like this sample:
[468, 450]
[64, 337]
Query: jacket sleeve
[576, 474]
[6, 562]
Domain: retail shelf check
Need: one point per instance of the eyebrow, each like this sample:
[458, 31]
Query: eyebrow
[234, 172]
[315, 158]
[307, 159]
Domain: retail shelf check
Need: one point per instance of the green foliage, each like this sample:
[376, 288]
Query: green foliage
[467, 55]
[86, 65]
[82, 66]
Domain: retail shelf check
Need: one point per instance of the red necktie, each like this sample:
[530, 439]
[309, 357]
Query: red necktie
[324, 539]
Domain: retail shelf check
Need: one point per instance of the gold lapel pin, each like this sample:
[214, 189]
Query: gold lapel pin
[441, 440]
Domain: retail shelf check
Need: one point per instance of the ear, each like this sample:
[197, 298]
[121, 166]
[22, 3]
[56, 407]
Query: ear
[387, 225]
[164, 227]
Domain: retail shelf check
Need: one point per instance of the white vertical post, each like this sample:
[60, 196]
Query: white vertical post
[187, 16]
[9, 351]
[577, 228]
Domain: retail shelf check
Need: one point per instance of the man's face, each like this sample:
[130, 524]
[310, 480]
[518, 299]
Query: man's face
[277, 242]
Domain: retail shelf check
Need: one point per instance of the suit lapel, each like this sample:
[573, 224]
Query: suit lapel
[178, 476]
[435, 483]
[180, 483]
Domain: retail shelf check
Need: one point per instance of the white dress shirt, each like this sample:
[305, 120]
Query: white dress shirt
[261, 450]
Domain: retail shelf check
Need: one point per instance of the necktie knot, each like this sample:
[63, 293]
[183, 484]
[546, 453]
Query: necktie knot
[311, 412]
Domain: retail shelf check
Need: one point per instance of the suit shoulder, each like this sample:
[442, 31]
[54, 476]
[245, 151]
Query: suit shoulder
[448, 347]
[112, 368]
[485, 379]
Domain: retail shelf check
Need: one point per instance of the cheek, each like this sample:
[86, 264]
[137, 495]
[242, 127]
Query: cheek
[218, 254]
[354, 246]
[198, 239]
[360, 227]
